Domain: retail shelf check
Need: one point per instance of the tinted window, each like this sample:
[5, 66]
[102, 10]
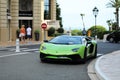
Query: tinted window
[47, 10]
[25, 8]
[66, 40]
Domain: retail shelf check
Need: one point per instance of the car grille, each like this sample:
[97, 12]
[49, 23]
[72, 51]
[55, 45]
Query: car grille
[73, 57]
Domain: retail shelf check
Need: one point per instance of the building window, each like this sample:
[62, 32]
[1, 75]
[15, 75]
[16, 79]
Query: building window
[8, 7]
[25, 8]
[47, 9]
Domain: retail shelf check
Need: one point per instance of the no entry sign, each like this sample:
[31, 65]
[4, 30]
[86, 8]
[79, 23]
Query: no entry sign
[44, 25]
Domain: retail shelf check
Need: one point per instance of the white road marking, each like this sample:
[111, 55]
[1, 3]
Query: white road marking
[14, 54]
[13, 49]
[37, 51]
[99, 54]
[31, 50]
[23, 49]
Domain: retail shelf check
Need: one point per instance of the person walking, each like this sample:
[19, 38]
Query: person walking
[22, 33]
[29, 30]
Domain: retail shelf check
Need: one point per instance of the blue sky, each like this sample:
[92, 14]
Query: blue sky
[71, 10]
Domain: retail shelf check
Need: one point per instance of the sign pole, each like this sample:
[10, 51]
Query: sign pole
[44, 35]
[44, 26]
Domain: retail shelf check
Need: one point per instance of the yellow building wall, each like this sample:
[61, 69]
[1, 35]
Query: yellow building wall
[3, 21]
[8, 27]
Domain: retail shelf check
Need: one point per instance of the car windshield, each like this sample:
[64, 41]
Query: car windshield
[66, 40]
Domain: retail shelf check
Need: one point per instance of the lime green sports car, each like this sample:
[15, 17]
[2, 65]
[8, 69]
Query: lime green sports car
[70, 48]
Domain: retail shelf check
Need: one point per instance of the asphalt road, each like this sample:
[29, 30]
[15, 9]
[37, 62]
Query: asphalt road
[29, 67]
[106, 47]
[26, 65]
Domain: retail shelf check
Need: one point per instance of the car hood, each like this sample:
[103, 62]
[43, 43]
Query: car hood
[59, 49]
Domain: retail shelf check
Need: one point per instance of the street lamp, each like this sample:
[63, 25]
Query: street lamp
[95, 13]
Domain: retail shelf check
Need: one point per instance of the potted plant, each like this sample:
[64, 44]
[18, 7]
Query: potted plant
[37, 33]
[17, 33]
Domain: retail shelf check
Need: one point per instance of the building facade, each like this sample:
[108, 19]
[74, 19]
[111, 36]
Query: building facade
[14, 13]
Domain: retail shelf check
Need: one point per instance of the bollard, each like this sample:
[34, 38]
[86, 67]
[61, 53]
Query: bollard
[96, 37]
[104, 38]
[17, 45]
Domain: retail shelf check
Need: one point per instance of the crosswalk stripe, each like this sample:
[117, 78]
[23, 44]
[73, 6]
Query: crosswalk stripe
[30, 50]
[14, 54]
[22, 49]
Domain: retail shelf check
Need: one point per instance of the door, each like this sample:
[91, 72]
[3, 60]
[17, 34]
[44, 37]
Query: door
[26, 23]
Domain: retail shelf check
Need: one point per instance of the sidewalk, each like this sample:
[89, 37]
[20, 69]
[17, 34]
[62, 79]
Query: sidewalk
[13, 43]
[107, 67]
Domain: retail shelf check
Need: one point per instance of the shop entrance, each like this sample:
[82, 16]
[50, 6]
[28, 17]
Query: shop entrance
[26, 23]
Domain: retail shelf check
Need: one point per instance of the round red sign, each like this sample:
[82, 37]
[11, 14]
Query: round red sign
[44, 25]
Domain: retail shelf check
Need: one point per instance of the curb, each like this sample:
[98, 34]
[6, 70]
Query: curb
[99, 73]
[91, 70]
[103, 66]
[109, 71]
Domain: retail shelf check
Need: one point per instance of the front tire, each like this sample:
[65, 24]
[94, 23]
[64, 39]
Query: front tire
[41, 58]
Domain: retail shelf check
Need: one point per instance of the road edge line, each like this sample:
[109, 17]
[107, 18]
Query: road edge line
[99, 73]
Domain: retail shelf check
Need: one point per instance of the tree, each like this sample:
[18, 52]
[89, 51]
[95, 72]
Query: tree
[58, 14]
[115, 4]
[60, 30]
[83, 20]
[109, 22]
[76, 32]
[99, 31]
[114, 25]
[51, 31]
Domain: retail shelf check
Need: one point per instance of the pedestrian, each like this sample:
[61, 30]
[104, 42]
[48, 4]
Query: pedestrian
[29, 30]
[22, 33]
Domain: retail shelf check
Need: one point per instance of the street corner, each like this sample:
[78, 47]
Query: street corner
[106, 69]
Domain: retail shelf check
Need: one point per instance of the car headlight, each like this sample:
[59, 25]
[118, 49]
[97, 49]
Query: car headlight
[43, 48]
[75, 49]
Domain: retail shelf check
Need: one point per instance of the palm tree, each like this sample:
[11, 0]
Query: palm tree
[109, 22]
[84, 31]
[83, 20]
[115, 4]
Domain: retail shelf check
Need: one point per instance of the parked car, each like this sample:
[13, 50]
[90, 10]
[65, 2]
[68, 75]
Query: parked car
[68, 48]
[114, 36]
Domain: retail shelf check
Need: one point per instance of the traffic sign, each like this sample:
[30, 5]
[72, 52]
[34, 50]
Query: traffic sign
[44, 25]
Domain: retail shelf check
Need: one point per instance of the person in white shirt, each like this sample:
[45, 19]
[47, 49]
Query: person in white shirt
[29, 30]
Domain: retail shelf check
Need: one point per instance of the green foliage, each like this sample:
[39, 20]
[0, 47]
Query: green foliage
[37, 31]
[114, 26]
[107, 32]
[60, 30]
[18, 30]
[58, 14]
[51, 31]
[99, 31]
[17, 33]
[115, 4]
[76, 32]
[58, 34]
